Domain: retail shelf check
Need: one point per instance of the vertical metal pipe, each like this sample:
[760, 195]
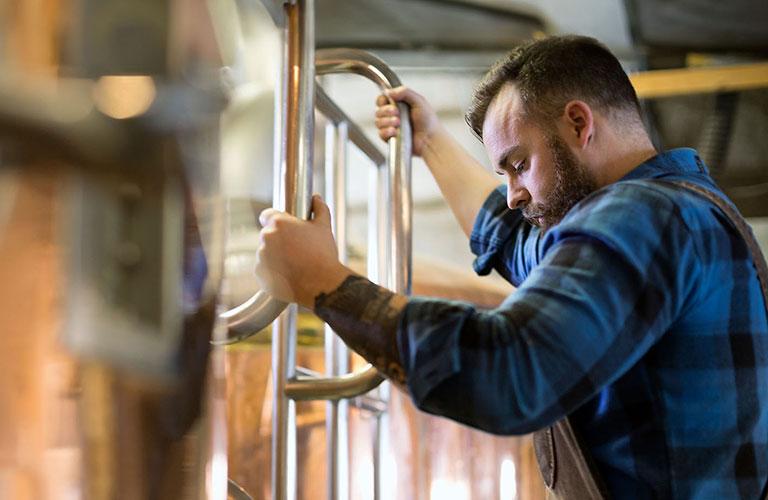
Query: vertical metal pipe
[372, 261]
[300, 111]
[336, 353]
[284, 408]
[400, 205]
[377, 444]
[396, 225]
[381, 240]
[297, 129]
[385, 266]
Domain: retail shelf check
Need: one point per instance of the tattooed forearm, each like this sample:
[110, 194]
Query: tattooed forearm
[365, 316]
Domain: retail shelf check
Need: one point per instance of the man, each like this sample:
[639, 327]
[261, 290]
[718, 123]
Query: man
[639, 313]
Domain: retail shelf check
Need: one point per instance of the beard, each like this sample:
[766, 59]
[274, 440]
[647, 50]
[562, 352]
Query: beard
[573, 182]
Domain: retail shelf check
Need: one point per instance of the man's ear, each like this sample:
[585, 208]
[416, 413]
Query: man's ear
[578, 123]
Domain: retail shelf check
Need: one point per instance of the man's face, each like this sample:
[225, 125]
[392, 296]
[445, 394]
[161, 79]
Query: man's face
[543, 176]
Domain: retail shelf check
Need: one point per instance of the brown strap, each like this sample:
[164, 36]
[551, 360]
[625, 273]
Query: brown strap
[566, 465]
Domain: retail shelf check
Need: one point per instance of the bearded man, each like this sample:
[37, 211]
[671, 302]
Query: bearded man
[637, 340]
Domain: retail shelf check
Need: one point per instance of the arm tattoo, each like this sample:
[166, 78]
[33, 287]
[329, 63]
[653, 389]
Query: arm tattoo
[366, 316]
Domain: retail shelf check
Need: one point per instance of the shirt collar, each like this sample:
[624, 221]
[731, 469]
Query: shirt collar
[674, 161]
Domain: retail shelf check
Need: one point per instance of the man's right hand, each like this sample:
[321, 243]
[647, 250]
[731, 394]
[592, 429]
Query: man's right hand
[465, 184]
[423, 118]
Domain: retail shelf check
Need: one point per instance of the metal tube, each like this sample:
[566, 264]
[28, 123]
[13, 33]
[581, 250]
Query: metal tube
[283, 409]
[393, 218]
[297, 182]
[330, 110]
[296, 126]
[300, 117]
[377, 444]
[336, 353]
[333, 388]
[363, 63]
[401, 202]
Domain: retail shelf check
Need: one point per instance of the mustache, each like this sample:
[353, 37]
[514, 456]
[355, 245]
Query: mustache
[533, 211]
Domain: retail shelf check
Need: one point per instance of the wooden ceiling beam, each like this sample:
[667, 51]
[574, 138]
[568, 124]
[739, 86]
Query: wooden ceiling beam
[672, 82]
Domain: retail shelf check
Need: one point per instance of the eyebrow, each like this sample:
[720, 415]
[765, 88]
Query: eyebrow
[510, 151]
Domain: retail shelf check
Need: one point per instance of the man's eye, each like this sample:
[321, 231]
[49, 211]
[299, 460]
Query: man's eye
[519, 167]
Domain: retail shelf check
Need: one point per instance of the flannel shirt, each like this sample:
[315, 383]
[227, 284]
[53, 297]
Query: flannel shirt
[639, 315]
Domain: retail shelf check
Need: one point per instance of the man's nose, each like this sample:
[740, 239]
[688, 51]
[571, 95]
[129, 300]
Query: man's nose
[517, 197]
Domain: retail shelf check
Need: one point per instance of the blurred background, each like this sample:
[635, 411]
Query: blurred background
[139, 141]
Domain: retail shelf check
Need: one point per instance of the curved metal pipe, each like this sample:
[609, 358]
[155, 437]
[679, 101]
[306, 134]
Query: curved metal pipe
[329, 61]
[294, 190]
[398, 174]
[304, 388]
[250, 317]
[356, 136]
[261, 309]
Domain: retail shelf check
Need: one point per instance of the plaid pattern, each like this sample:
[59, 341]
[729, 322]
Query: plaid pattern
[640, 315]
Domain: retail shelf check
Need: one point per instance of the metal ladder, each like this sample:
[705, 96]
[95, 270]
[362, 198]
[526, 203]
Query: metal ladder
[389, 254]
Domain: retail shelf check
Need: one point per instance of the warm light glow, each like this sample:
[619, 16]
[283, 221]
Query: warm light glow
[216, 477]
[389, 476]
[507, 480]
[447, 489]
[124, 96]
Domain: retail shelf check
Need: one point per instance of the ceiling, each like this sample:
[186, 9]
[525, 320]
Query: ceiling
[623, 25]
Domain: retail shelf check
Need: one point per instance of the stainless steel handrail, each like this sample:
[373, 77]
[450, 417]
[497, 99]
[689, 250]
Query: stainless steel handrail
[298, 77]
[356, 136]
[334, 388]
[330, 61]
[261, 309]
[392, 237]
[295, 124]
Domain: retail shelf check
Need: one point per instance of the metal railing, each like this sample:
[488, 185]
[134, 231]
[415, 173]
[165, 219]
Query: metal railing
[389, 260]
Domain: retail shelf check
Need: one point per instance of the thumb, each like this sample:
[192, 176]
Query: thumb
[402, 93]
[321, 214]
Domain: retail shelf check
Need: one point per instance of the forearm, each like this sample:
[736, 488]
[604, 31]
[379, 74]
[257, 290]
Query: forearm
[464, 182]
[366, 317]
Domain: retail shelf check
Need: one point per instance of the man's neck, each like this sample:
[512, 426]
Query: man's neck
[621, 155]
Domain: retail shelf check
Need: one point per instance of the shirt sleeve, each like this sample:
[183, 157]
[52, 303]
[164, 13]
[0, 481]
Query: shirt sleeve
[502, 239]
[604, 293]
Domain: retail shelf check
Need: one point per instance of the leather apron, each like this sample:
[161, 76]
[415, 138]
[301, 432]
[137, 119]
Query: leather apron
[566, 465]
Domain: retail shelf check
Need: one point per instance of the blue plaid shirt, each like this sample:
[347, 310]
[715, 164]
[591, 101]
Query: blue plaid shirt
[640, 315]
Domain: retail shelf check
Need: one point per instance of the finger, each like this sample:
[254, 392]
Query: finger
[388, 110]
[388, 121]
[267, 216]
[404, 94]
[321, 214]
[382, 100]
[387, 133]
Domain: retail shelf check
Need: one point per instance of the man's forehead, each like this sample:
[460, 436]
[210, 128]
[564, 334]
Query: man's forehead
[505, 108]
[503, 118]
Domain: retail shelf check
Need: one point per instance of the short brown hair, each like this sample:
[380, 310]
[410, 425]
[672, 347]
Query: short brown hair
[552, 71]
